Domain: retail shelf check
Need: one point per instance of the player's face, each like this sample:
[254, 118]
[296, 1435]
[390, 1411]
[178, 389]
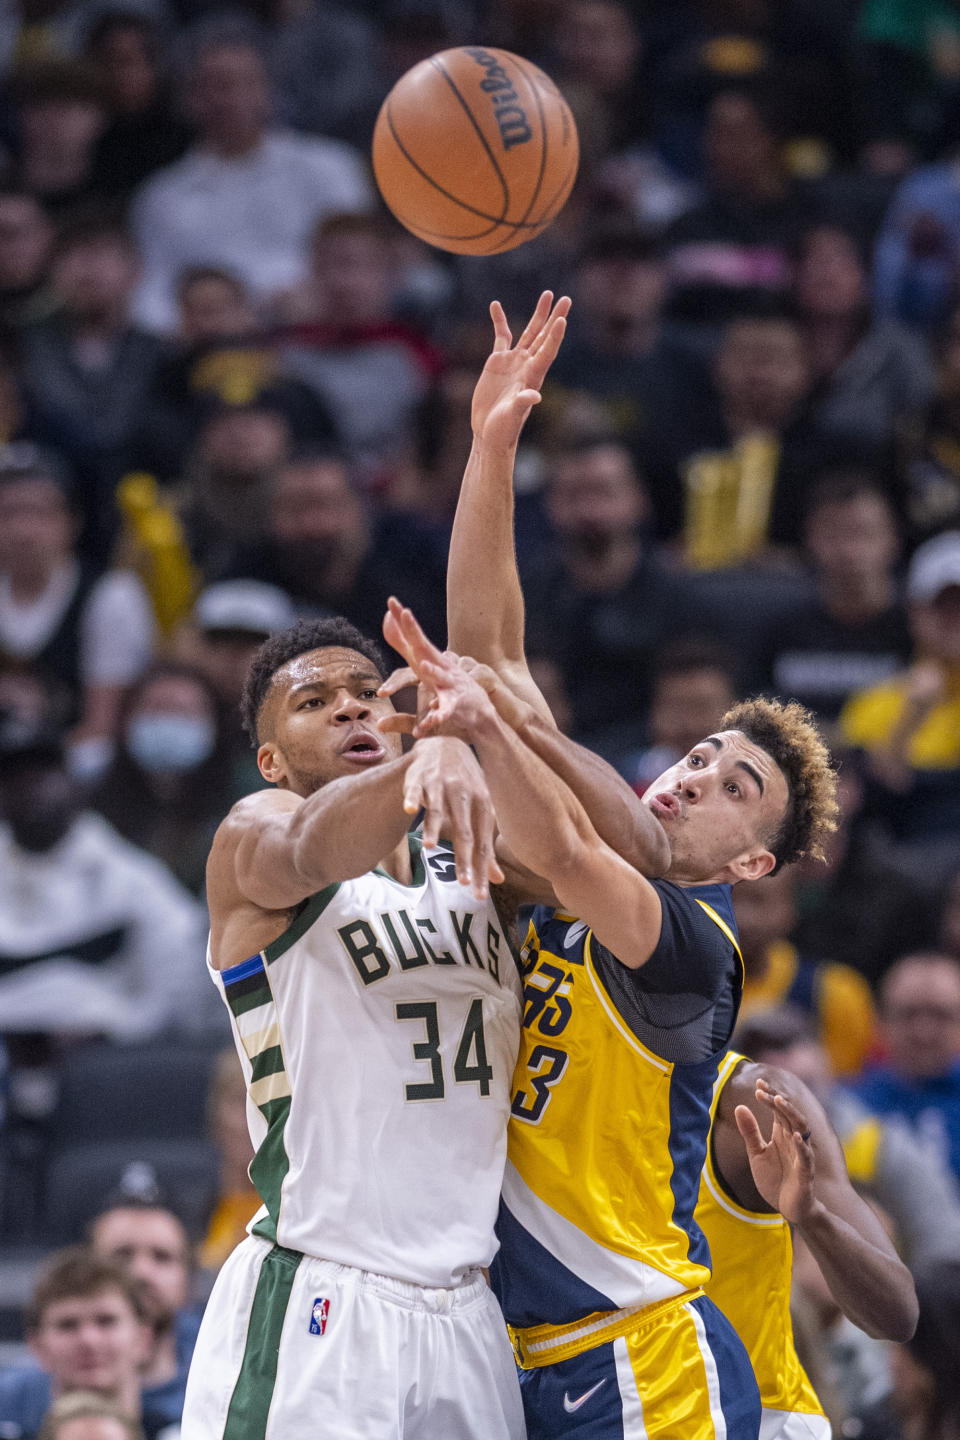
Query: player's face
[324, 720]
[717, 805]
[152, 1246]
[91, 1342]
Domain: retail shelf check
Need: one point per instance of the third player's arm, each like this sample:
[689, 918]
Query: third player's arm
[802, 1173]
[485, 613]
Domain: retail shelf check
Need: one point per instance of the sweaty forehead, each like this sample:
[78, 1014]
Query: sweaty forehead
[331, 665]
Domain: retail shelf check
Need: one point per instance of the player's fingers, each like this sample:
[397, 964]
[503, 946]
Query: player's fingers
[461, 821]
[432, 821]
[555, 326]
[537, 320]
[400, 679]
[501, 330]
[750, 1130]
[412, 796]
[399, 723]
[482, 844]
[792, 1115]
[415, 636]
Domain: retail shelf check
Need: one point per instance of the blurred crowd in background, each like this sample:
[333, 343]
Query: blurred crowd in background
[234, 392]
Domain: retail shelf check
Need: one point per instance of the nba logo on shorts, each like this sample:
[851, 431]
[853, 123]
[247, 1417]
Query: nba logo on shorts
[318, 1318]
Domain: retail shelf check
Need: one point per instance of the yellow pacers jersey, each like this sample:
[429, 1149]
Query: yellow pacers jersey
[610, 1112]
[752, 1265]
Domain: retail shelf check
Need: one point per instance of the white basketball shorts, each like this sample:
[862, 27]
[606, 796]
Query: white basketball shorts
[293, 1348]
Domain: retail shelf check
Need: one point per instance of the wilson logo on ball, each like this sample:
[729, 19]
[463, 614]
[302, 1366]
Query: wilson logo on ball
[511, 117]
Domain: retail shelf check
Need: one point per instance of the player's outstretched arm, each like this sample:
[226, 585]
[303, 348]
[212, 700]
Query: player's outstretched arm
[541, 819]
[484, 600]
[485, 613]
[800, 1171]
[274, 849]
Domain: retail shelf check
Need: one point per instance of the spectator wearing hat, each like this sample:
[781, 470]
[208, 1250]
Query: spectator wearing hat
[169, 784]
[87, 368]
[246, 195]
[96, 937]
[92, 635]
[230, 621]
[910, 725]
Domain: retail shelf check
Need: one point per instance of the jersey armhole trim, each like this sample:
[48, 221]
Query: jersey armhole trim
[309, 911]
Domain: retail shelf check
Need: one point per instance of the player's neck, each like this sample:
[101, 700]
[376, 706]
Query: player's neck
[398, 864]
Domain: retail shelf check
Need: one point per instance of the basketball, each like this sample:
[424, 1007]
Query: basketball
[475, 150]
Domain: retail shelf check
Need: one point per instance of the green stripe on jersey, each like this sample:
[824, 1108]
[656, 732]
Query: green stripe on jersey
[240, 1004]
[311, 910]
[253, 1392]
[268, 1168]
[268, 1062]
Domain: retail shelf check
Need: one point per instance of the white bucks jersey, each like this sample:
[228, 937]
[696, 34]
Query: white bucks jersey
[378, 1036]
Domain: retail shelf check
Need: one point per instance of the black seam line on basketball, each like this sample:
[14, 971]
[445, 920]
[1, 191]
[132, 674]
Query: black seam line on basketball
[543, 132]
[471, 209]
[439, 65]
[558, 201]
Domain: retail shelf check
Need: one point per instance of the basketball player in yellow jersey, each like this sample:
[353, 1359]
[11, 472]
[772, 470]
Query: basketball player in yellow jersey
[632, 990]
[751, 1188]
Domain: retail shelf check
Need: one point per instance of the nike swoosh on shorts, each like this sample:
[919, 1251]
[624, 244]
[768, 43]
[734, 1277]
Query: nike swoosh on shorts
[571, 1405]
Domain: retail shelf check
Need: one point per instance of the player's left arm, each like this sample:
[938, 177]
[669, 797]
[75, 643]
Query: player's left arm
[541, 820]
[801, 1172]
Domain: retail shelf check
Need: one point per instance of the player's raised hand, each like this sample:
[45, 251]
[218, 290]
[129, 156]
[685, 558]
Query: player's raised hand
[510, 382]
[457, 702]
[783, 1167]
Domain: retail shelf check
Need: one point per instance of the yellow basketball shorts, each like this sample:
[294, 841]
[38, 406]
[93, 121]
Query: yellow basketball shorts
[683, 1374]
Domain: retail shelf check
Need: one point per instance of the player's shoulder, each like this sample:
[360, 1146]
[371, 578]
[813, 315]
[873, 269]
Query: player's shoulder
[694, 914]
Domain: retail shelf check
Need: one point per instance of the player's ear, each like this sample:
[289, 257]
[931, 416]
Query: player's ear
[270, 763]
[752, 865]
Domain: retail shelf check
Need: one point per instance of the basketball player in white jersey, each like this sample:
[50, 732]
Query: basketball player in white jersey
[375, 1003]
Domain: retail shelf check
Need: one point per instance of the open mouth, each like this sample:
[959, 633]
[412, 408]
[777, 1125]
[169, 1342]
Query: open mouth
[363, 750]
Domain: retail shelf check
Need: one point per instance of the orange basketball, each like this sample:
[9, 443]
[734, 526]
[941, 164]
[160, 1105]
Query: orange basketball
[475, 150]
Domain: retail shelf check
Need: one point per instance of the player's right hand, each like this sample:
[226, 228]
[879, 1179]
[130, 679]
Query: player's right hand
[510, 382]
[444, 780]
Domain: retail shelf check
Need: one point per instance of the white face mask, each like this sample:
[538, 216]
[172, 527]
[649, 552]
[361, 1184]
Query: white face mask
[170, 744]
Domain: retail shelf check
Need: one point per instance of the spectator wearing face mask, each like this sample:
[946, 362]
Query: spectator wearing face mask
[96, 938]
[168, 786]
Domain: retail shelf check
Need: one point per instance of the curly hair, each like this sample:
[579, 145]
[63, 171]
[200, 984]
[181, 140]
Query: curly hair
[789, 735]
[285, 646]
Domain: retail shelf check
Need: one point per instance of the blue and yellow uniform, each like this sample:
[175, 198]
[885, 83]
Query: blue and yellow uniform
[601, 1265]
[752, 1257]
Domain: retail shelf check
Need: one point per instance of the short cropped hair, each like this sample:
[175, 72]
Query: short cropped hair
[285, 646]
[87, 1405]
[789, 735]
[78, 1273]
